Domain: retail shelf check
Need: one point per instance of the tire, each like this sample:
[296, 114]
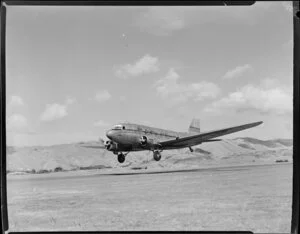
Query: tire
[156, 156]
[121, 158]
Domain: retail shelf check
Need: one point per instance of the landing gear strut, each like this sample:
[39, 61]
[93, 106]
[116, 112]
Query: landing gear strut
[156, 155]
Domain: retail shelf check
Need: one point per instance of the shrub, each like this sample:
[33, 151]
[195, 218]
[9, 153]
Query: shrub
[280, 160]
[42, 171]
[57, 169]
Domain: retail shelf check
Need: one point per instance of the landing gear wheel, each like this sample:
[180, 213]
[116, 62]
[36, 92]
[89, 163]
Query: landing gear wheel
[121, 158]
[156, 155]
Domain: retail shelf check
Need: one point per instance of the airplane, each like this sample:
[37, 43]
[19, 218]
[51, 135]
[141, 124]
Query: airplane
[127, 137]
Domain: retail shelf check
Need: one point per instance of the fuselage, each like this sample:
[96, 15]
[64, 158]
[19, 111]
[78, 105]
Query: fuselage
[128, 135]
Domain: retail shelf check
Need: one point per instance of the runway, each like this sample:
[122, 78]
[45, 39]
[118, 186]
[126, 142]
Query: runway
[256, 198]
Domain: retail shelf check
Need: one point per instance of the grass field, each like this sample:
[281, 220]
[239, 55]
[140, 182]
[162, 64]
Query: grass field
[256, 198]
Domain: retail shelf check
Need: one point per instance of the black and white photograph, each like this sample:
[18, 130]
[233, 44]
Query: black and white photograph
[150, 118]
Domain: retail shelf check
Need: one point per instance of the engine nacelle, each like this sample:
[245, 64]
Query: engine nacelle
[149, 143]
[111, 146]
[144, 140]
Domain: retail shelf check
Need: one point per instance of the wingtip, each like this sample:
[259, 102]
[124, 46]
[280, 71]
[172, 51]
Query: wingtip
[258, 123]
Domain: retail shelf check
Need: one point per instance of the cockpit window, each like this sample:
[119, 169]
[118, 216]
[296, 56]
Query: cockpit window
[118, 127]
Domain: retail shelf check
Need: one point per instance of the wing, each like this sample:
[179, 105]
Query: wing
[100, 144]
[204, 137]
[95, 146]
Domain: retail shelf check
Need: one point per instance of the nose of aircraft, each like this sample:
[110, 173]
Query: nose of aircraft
[109, 134]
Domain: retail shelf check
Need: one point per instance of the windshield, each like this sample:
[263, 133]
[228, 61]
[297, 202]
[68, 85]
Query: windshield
[117, 127]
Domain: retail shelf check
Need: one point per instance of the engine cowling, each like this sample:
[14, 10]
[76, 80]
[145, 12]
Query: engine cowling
[111, 146]
[143, 140]
[149, 143]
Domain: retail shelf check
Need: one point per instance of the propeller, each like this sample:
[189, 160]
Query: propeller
[108, 144]
[143, 140]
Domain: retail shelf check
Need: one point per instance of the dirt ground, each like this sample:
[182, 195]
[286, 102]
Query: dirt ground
[256, 198]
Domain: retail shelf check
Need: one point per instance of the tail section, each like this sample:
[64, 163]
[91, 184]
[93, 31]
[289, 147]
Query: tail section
[195, 126]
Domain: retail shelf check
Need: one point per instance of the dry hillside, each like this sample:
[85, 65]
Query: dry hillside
[41, 159]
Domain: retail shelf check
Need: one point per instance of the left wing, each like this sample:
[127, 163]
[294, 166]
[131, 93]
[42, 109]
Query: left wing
[96, 145]
[205, 136]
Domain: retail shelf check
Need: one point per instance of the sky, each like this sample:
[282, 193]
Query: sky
[74, 71]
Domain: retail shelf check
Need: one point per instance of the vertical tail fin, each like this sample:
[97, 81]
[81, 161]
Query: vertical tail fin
[195, 126]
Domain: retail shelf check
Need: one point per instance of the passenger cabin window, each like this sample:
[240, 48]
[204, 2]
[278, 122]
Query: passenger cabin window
[118, 127]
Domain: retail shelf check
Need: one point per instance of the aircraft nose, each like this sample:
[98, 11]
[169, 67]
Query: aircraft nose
[109, 134]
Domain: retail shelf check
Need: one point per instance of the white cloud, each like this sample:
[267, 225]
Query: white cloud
[70, 100]
[53, 112]
[16, 123]
[288, 5]
[146, 64]
[161, 21]
[102, 96]
[169, 88]
[100, 123]
[237, 72]
[269, 97]
[16, 101]
[56, 111]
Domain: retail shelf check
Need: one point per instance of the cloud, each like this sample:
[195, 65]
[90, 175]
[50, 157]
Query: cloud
[269, 97]
[288, 5]
[53, 112]
[102, 96]
[100, 123]
[70, 100]
[237, 72]
[169, 88]
[146, 64]
[161, 21]
[16, 101]
[17, 123]
[56, 111]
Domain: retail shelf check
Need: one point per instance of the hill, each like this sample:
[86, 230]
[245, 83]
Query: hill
[40, 159]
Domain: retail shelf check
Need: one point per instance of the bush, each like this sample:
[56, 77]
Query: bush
[57, 169]
[42, 171]
[280, 160]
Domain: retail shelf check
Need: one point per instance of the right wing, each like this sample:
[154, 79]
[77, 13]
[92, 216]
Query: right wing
[204, 137]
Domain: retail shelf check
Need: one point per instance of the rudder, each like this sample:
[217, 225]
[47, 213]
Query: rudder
[195, 126]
